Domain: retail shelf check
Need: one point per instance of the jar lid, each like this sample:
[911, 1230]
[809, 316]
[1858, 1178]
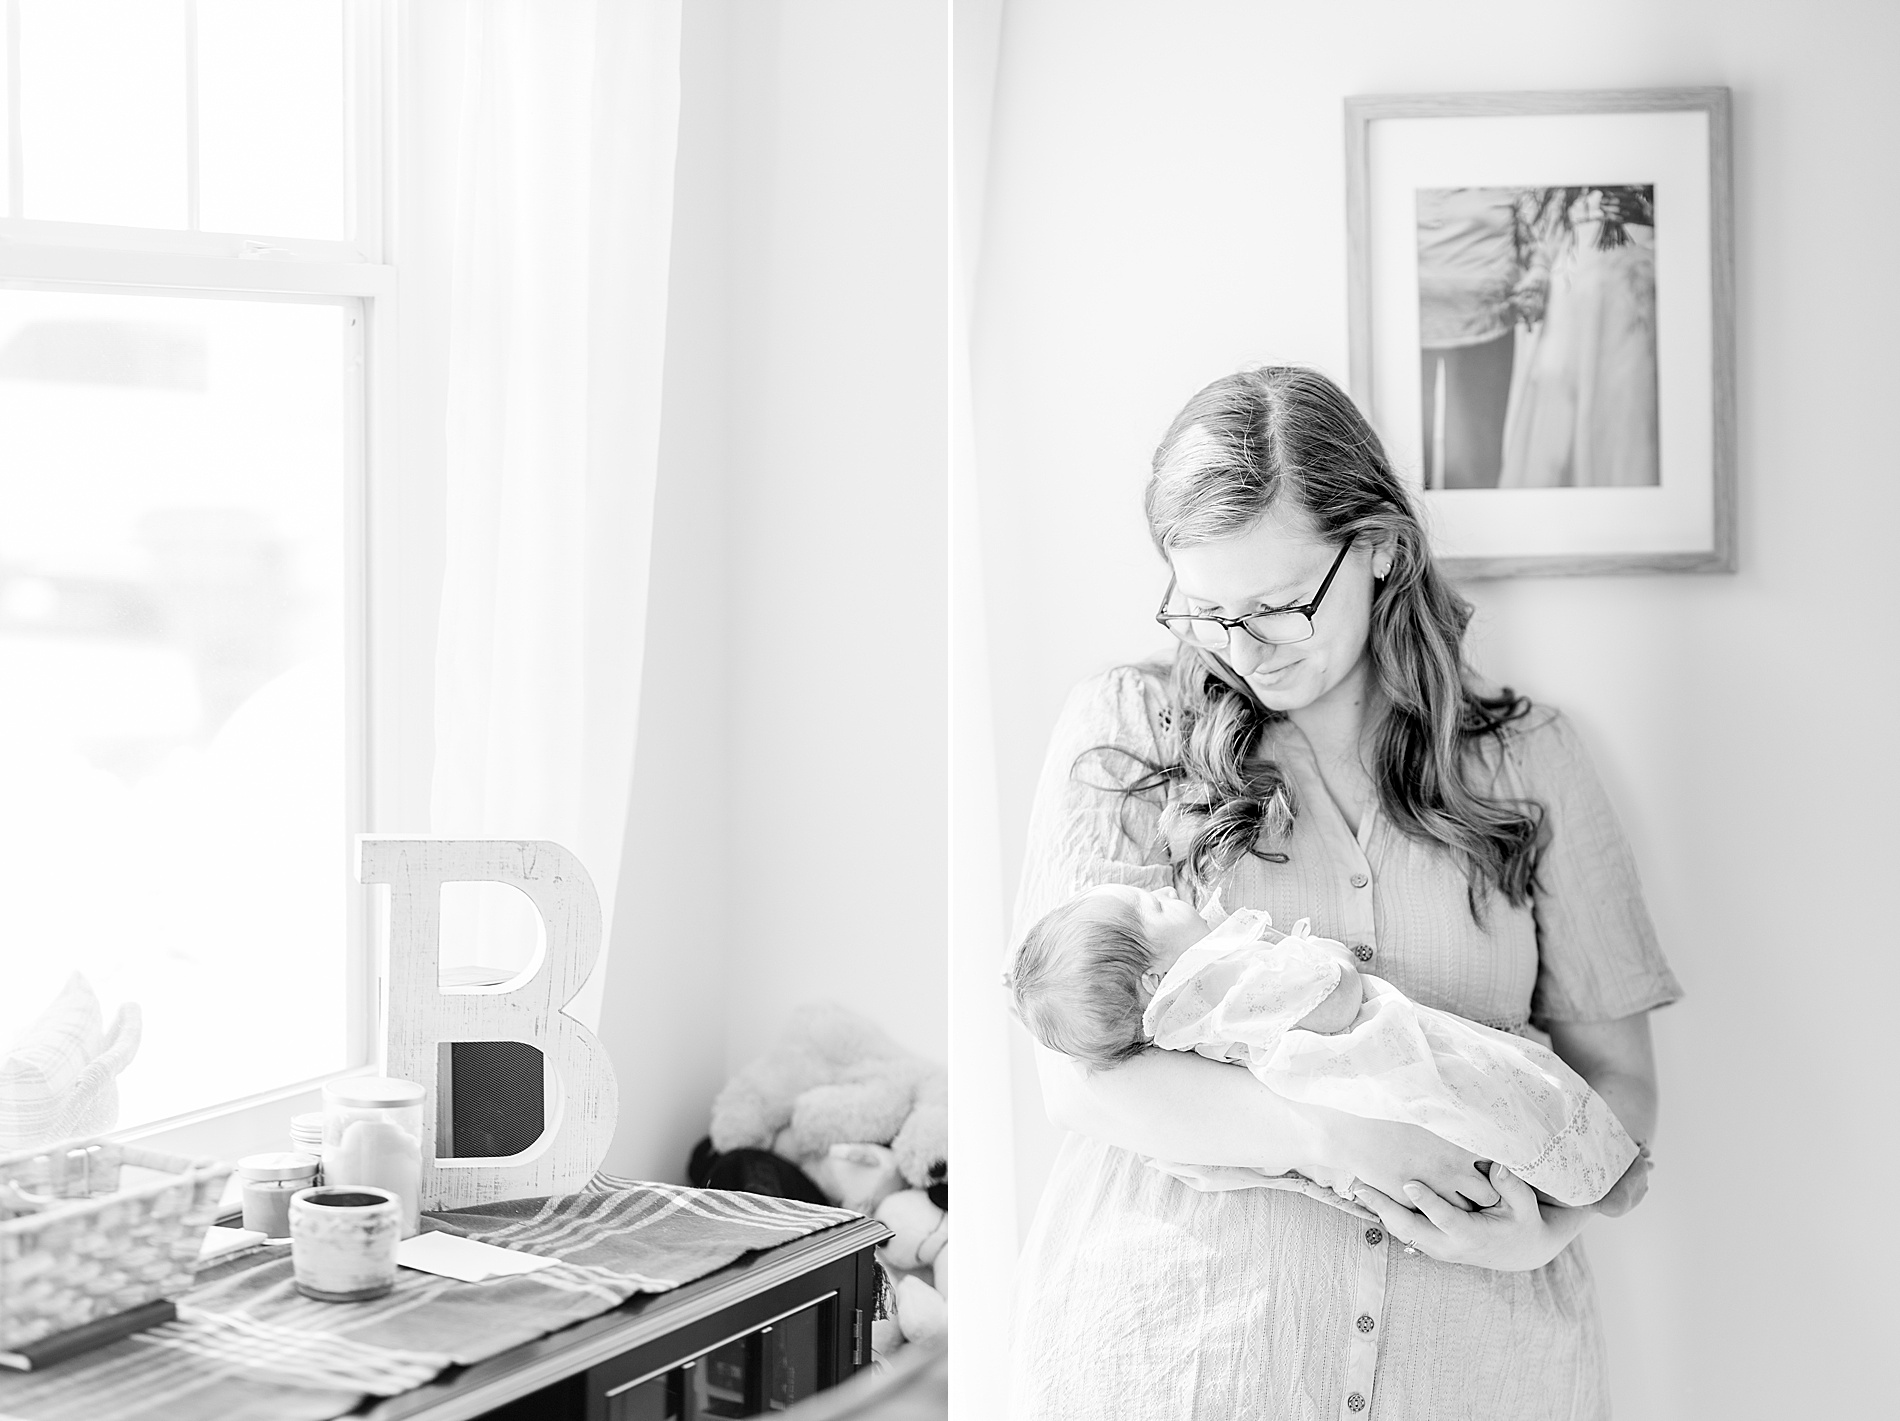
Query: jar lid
[281, 1165]
[310, 1122]
[373, 1091]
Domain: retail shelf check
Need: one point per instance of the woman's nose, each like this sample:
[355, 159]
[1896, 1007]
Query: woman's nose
[1245, 654]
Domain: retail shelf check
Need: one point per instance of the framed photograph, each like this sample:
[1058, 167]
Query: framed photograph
[1542, 301]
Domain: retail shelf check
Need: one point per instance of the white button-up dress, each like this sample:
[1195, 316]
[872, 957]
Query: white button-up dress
[1140, 1297]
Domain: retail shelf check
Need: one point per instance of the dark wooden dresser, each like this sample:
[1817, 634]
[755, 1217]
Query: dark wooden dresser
[754, 1338]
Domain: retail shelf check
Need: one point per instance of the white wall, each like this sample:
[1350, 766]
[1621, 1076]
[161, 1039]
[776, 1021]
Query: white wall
[788, 818]
[839, 447]
[1166, 203]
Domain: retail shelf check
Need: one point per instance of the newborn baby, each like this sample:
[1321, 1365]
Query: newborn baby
[1117, 969]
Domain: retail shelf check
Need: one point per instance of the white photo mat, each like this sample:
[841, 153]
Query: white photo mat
[1675, 140]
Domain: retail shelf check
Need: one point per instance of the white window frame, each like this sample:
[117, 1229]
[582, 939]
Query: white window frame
[382, 633]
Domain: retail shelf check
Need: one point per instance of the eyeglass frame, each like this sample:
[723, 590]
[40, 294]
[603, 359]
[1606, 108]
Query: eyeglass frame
[1228, 624]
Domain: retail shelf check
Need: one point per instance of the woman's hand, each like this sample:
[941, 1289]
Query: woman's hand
[1386, 1155]
[1529, 299]
[1513, 1236]
[1628, 1191]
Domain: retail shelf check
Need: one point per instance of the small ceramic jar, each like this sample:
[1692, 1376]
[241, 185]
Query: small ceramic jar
[269, 1182]
[306, 1137]
[343, 1241]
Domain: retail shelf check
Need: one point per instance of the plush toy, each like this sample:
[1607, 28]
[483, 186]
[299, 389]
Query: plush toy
[752, 1172]
[869, 1122]
[922, 1146]
[886, 1335]
[919, 1229]
[836, 1079]
[858, 1177]
[922, 1313]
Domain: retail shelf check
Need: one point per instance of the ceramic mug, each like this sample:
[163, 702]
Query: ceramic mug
[343, 1241]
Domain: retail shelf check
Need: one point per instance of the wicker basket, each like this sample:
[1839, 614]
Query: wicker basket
[75, 1246]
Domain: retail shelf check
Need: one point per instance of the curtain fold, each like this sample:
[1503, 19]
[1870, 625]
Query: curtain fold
[982, 1105]
[563, 198]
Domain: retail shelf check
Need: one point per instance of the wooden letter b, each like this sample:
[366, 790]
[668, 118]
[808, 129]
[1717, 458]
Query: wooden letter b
[418, 1016]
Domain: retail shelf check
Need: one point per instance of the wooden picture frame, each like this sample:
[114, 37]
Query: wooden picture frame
[1582, 481]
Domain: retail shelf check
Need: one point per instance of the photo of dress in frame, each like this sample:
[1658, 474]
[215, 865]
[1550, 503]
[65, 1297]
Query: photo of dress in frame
[1537, 337]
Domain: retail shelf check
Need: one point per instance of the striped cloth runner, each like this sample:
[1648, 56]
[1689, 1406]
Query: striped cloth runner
[248, 1347]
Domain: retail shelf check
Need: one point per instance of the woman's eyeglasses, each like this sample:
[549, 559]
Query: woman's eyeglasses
[1275, 626]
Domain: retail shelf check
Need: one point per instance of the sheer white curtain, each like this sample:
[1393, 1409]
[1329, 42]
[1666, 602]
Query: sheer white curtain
[563, 153]
[981, 1105]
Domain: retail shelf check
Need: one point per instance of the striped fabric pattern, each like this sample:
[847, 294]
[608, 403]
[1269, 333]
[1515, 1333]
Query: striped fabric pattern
[248, 1347]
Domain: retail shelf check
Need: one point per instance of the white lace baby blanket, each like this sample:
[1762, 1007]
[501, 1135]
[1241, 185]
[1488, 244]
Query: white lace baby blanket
[1235, 997]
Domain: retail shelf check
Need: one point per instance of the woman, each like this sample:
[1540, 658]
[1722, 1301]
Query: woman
[1319, 750]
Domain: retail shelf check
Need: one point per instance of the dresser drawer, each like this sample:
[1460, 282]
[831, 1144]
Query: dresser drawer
[753, 1358]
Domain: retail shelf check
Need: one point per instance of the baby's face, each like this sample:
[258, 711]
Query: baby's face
[1170, 924]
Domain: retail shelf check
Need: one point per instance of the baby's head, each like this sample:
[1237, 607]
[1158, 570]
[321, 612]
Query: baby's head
[1088, 968]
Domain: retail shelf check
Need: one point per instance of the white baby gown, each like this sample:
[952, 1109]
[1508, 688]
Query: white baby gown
[1235, 995]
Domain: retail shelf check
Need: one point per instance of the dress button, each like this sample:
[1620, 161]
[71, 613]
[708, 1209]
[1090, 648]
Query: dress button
[1375, 1237]
[1362, 951]
[1359, 880]
[1355, 1402]
[1365, 1323]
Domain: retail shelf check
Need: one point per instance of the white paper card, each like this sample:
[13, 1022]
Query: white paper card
[502, 1261]
[220, 1241]
[464, 1258]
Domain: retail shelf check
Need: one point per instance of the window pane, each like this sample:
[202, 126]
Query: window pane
[7, 205]
[172, 705]
[102, 110]
[270, 117]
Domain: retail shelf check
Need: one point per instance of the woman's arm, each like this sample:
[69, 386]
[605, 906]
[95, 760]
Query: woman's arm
[1175, 1105]
[1619, 1062]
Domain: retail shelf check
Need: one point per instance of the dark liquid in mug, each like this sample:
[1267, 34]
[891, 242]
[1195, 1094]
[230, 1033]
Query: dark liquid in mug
[342, 1199]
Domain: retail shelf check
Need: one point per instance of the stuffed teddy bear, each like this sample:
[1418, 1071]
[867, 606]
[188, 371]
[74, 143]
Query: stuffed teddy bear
[919, 1230]
[836, 1079]
[922, 1314]
[922, 1146]
[849, 1111]
[857, 1177]
[916, 1255]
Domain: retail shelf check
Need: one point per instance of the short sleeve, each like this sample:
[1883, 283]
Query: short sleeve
[1082, 829]
[1597, 954]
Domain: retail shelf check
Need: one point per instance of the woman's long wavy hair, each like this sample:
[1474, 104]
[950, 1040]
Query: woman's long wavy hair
[1242, 445]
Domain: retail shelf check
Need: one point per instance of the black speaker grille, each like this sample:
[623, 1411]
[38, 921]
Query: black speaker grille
[498, 1101]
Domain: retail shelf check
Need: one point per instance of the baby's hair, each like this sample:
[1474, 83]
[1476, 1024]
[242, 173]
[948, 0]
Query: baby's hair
[1077, 980]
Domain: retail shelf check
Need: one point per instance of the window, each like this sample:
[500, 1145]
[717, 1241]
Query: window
[194, 336]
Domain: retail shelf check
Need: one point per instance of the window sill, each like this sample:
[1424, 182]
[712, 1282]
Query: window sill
[244, 1127]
